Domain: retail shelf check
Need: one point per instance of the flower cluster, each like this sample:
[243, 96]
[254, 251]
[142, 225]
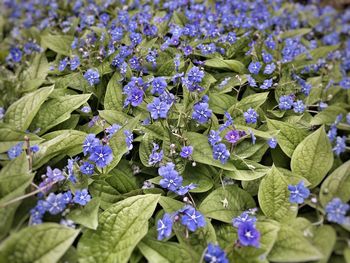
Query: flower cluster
[100, 154]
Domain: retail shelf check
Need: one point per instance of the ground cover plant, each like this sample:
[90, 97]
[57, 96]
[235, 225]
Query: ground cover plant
[174, 131]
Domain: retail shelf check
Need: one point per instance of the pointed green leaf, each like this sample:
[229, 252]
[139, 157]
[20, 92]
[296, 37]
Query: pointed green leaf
[337, 184]
[87, 215]
[55, 111]
[231, 65]
[313, 157]
[120, 228]
[58, 43]
[274, 196]
[21, 113]
[114, 97]
[292, 246]
[289, 136]
[324, 239]
[40, 243]
[225, 203]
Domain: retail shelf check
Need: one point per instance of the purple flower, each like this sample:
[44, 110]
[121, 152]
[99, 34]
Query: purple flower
[251, 81]
[191, 218]
[248, 235]
[101, 155]
[286, 102]
[186, 151]
[254, 67]
[233, 136]
[201, 112]
[251, 116]
[269, 68]
[92, 76]
[63, 64]
[54, 175]
[15, 151]
[171, 179]
[155, 157]
[158, 85]
[272, 142]
[135, 38]
[215, 254]
[336, 211]
[164, 226]
[87, 168]
[134, 97]
[74, 63]
[298, 193]
[213, 137]
[158, 109]
[55, 204]
[90, 142]
[243, 218]
[81, 197]
[266, 84]
[221, 153]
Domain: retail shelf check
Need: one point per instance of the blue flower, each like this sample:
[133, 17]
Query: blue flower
[251, 116]
[243, 218]
[191, 218]
[252, 135]
[336, 211]
[54, 175]
[158, 85]
[298, 193]
[171, 179]
[221, 153]
[92, 76]
[134, 97]
[195, 75]
[155, 157]
[101, 155]
[74, 63]
[129, 138]
[2, 113]
[135, 38]
[340, 145]
[345, 83]
[87, 168]
[90, 142]
[182, 190]
[158, 109]
[254, 67]
[70, 169]
[35, 148]
[214, 137]
[164, 226]
[286, 102]
[251, 81]
[111, 130]
[298, 106]
[266, 84]
[15, 151]
[15, 55]
[55, 204]
[201, 112]
[248, 235]
[186, 151]
[81, 197]
[214, 254]
[63, 64]
[269, 68]
[267, 57]
[272, 142]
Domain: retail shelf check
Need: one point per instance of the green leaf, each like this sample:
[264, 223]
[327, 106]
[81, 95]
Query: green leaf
[328, 115]
[337, 184]
[295, 33]
[118, 144]
[145, 149]
[120, 228]
[225, 203]
[231, 65]
[289, 136]
[21, 113]
[14, 179]
[251, 101]
[247, 171]
[219, 103]
[122, 178]
[10, 136]
[61, 44]
[36, 73]
[87, 215]
[199, 175]
[274, 196]
[163, 252]
[40, 243]
[57, 143]
[55, 111]
[313, 157]
[114, 97]
[170, 205]
[292, 246]
[324, 239]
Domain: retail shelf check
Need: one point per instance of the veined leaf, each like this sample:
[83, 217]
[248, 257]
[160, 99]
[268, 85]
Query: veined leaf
[61, 44]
